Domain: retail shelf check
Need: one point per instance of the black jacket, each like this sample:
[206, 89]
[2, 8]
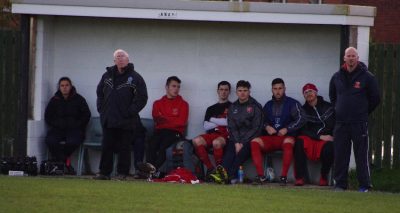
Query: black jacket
[120, 97]
[354, 95]
[70, 113]
[245, 121]
[320, 119]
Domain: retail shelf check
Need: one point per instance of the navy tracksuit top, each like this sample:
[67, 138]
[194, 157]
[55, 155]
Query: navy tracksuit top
[354, 95]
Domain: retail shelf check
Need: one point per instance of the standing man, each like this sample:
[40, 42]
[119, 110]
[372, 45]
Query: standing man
[215, 123]
[283, 118]
[121, 95]
[245, 119]
[170, 115]
[354, 93]
[315, 141]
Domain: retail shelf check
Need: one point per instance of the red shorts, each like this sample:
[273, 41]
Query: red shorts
[312, 147]
[273, 142]
[212, 136]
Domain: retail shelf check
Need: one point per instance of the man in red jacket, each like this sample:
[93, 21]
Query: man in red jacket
[170, 115]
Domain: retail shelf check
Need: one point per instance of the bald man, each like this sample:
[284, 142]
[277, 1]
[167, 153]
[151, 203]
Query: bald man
[354, 93]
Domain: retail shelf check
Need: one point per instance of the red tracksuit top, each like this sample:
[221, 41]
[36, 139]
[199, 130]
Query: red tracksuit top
[171, 113]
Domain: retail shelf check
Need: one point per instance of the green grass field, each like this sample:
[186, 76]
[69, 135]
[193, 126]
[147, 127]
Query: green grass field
[36, 194]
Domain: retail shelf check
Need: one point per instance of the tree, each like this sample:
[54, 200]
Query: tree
[7, 19]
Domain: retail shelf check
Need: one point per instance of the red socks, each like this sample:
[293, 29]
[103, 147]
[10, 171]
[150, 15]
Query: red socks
[256, 155]
[218, 153]
[287, 149]
[201, 152]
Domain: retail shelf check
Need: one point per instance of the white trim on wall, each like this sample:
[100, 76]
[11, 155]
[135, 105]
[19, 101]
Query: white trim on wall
[168, 14]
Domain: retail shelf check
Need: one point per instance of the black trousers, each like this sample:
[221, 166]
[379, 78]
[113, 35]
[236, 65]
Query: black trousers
[138, 150]
[300, 157]
[163, 139]
[232, 161]
[116, 141]
[62, 143]
[345, 134]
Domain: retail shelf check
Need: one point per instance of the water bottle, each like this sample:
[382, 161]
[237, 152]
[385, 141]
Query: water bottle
[240, 174]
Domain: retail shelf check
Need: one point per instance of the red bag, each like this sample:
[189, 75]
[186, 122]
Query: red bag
[179, 175]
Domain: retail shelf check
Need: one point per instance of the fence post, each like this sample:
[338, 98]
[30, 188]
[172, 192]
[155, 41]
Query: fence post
[9, 94]
[372, 118]
[387, 124]
[396, 117]
[379, 111]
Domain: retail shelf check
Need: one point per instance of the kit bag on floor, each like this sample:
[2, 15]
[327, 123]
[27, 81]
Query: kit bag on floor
[49, 167]
[181, 155]
[26, 164]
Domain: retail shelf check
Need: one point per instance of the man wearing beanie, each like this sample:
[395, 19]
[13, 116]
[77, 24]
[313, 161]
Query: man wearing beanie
[283, 118]
[354, 93]
[315, 142]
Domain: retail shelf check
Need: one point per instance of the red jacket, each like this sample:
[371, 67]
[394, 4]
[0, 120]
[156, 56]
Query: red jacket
[171, 113]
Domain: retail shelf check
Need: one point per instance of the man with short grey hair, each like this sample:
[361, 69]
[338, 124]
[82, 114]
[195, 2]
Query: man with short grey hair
[121, 95]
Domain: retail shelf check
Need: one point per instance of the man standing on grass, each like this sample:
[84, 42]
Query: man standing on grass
[121, 95]
[215, 123]
[354, 93]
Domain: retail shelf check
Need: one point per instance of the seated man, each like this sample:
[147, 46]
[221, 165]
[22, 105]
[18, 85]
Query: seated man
[67, 115]
[283, 117]
[315, 141]
[170, 115]
[215, 123]
[245, 121]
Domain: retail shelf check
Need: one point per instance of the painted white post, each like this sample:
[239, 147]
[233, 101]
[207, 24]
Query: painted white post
[363, 43]
[38, 71]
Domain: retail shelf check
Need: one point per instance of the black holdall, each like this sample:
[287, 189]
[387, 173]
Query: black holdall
[26, 164]
[52, 168]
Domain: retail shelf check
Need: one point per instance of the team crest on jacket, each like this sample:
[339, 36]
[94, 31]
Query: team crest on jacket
[175, 111]
[357, 85]
[130, 80]
[249, 109]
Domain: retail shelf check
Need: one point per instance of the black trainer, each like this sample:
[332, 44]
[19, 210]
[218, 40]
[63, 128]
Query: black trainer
[147, 168]
[223, 174]
[260, 180]
[283, 180]
[101, 177]
[208, 177]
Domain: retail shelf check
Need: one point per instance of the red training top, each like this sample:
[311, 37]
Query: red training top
[171, 114]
